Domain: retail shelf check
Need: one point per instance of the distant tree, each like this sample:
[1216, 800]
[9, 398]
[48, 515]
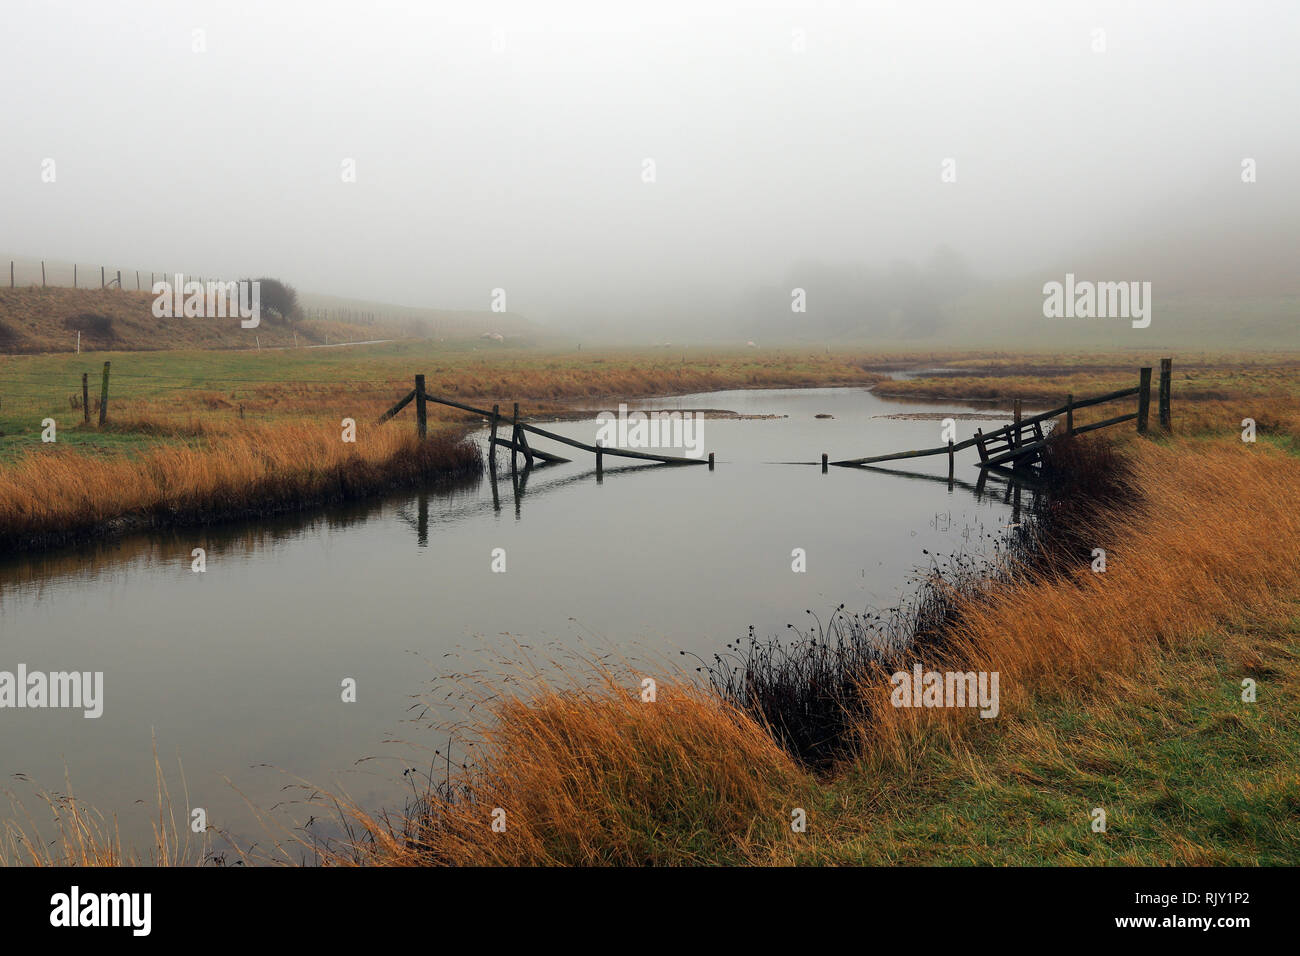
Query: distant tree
[279, 300]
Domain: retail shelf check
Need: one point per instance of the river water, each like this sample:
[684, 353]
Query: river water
[237, 671]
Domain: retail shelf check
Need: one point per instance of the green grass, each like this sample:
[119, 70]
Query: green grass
[1186, 772]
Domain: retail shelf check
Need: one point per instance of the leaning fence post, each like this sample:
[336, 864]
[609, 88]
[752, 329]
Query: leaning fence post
[103, 398]
[1144, 399]
[85, 397]
[421, 412]
[1166, 382]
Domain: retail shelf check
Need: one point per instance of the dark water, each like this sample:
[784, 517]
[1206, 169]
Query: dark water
[237, 671]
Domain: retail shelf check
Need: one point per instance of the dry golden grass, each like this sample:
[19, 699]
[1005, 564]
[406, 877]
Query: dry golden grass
[82, 836]
[52, 495]
[598, 776]
[1216, 532]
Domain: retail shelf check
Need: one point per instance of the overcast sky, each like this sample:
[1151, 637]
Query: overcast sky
[504, 145]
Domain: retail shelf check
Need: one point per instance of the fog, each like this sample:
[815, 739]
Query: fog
[645, 169]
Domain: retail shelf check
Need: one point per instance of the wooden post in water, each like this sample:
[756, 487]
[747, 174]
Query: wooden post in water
[103, 398]
[600, 462]
[1166, 384]
[825, 458]
[1069, 414]
[85, 397]
[421, 411]
[711, 462]
[492, 441]
[514, 442]
[1144, 399]
[950, 461]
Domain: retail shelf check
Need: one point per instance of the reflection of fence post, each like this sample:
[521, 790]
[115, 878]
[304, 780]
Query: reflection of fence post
[1166, 384]
[85, 397]
[1144, 399]
[103, 398]
[421, 412]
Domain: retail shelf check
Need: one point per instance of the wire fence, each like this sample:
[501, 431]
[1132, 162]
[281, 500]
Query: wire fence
[27, 273]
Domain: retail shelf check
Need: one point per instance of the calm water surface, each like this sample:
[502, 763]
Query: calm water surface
[237, 671]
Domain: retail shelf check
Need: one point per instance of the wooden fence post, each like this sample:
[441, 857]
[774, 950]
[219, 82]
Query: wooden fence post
[11, 273]
[825, 458]
[42, 273]
[85, 397]
[492, 441]
[1144, 399]
[514, 442]
[421, 412]
[1069, 414]
[101, 277]
[600, 462]
[950, 461]
[74, 275]
[711, 461]
[103, 398]
[1166, 376]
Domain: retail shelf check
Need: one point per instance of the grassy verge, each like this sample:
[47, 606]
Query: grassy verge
[56, 496]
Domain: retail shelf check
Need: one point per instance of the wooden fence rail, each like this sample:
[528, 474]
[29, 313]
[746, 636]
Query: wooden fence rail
[1023, 441]
[518, 443]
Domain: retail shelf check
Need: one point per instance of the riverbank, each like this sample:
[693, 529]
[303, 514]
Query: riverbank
[1119, 690]
[199, 437]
